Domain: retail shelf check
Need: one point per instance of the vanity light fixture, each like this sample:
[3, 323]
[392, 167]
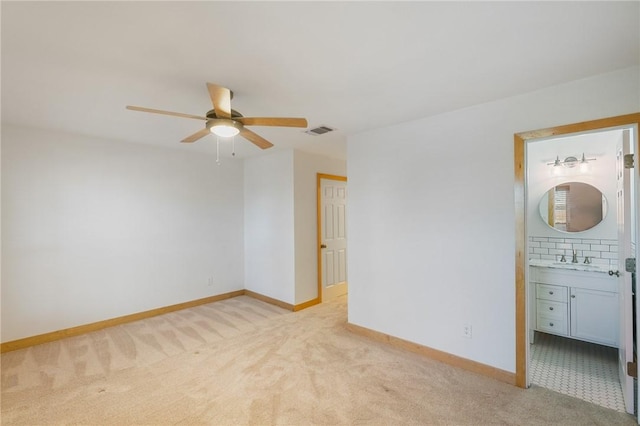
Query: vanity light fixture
[570, 162]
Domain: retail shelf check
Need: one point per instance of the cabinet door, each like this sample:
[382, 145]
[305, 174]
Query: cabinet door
[594, 316]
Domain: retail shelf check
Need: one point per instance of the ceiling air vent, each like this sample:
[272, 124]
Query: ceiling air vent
[320, 130]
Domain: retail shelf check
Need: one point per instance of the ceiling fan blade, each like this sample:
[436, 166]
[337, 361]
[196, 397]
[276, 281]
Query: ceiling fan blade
[158, 111]
[221, 100]
[255, 138]
[197, 135]
[273, 121]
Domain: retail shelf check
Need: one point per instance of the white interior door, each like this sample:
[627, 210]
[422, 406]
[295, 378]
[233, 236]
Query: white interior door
[624, 206]
[333, 238]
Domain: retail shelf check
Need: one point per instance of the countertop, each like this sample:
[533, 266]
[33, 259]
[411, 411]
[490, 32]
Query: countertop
[589, 267]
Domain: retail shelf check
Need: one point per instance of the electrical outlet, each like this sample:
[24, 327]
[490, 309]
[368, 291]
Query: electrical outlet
[466, 331]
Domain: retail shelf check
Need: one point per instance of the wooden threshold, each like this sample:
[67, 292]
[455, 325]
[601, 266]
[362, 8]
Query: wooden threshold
[444, 357]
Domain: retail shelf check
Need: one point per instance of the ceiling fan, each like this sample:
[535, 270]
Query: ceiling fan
[225, 122]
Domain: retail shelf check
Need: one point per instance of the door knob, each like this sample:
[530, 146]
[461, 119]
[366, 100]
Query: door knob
[323, 246]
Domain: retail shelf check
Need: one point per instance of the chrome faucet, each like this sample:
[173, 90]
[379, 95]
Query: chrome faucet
[587, 260]
[575, 257]
[563, 259]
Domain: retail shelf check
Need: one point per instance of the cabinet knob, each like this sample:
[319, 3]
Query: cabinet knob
[551, 308]
[550, 324]
[550, 292]
[573, 296]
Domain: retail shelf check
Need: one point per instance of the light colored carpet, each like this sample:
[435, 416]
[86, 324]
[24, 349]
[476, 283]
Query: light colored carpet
[241, 361]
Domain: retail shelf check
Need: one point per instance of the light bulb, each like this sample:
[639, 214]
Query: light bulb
[224, 131]
[556, 170]
[584, 164]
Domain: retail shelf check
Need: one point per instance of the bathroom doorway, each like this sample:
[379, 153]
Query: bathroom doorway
[549, 159]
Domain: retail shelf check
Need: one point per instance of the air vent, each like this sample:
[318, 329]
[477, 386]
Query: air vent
[320, 130]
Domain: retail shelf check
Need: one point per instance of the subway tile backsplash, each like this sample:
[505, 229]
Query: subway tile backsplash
[600, 252]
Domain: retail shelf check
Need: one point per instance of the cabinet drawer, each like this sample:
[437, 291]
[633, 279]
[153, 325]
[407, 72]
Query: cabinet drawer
[554, 293]
[552, 310]
[552, 325]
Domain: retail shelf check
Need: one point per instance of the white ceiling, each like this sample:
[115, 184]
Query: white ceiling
[354, 66]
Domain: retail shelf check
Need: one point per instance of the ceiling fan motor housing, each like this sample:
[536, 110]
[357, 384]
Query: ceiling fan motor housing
[212, 114]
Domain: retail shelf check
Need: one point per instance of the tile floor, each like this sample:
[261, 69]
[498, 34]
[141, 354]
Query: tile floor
[573, 367]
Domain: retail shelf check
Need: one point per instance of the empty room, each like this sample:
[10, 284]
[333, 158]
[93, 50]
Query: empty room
[319, 212]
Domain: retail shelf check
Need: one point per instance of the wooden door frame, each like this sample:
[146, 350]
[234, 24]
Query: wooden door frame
[519, 143]
[319, 177]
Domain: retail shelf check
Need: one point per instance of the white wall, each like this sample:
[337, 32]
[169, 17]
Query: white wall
[280, 223]
[95, 229]
[269, 232]
[306, 168]
[431, 216]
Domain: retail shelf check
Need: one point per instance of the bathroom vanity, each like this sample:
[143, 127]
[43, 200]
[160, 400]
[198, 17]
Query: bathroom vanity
[574, 300]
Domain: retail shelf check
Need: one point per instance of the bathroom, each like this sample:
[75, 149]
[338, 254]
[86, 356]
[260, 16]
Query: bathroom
[575, 289]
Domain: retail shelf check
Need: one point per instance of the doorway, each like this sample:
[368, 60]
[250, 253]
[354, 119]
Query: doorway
[332, 236]
[524, 247]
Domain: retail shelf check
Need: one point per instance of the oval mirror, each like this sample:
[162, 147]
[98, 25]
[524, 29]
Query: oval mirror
[573, 207]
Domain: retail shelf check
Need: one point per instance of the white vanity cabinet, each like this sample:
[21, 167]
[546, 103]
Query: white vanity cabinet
[594, 316]
[552, 313]
[578, 304]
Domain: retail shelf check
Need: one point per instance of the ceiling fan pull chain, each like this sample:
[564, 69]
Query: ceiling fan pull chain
[217, 150]
[233, 146]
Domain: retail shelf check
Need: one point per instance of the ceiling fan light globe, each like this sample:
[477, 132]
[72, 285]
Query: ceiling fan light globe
[224, 131]
[223, 127]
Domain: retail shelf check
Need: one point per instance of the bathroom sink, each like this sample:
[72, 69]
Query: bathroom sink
[568, 265]
[576, 265]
